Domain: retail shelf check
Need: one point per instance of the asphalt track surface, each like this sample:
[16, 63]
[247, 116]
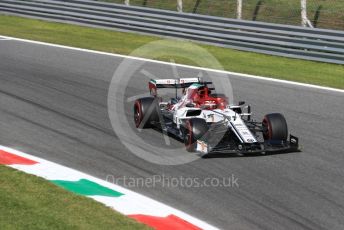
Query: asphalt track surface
[53, 104]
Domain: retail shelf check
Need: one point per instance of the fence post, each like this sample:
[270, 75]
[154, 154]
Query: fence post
[180, 5]
[256, 10]
[239, 9]
[127, 2]
[304, 19]
[304, 13]
[196, 6]
[316, 16]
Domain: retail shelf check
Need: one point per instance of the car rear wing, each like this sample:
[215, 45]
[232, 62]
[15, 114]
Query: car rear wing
[155, 84]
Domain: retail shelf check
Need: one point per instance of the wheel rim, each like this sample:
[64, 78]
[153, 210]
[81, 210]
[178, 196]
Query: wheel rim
[188, 136]
[137, 115]
[266, 129]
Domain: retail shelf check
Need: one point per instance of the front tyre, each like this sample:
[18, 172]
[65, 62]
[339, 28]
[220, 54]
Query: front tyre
[195, 128]
[275, 127]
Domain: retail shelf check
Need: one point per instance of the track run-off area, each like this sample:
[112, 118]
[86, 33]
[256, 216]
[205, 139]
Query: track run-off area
[53, 105]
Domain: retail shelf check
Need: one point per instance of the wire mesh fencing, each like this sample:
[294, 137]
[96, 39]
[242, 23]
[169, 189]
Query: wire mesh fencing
[321, 13]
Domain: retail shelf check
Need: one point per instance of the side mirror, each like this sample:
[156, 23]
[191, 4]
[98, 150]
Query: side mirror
[242, 102]
[190, 105]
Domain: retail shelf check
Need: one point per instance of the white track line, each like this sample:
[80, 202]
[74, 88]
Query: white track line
[180, 65]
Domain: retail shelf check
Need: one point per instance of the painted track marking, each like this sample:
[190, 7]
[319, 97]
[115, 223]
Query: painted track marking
[181, 65]
[125, 201]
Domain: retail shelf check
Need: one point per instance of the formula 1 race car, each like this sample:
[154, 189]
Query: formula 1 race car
[207, 123]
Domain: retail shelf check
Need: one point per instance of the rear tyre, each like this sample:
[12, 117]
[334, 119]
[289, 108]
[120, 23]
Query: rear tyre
[145, 112]
[275, 127]
[195, 128]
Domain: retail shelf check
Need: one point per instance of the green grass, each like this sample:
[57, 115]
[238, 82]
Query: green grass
[28, 202]
[275, 11]
[124, 43]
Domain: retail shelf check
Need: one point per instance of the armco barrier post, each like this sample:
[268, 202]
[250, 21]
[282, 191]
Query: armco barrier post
[304, 13]
[180, 5]
[239, 9]
[196, 6]
[304, 19]
[144, 3]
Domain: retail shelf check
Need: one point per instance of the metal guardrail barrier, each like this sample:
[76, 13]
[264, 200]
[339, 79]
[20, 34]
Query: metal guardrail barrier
[274, 39]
